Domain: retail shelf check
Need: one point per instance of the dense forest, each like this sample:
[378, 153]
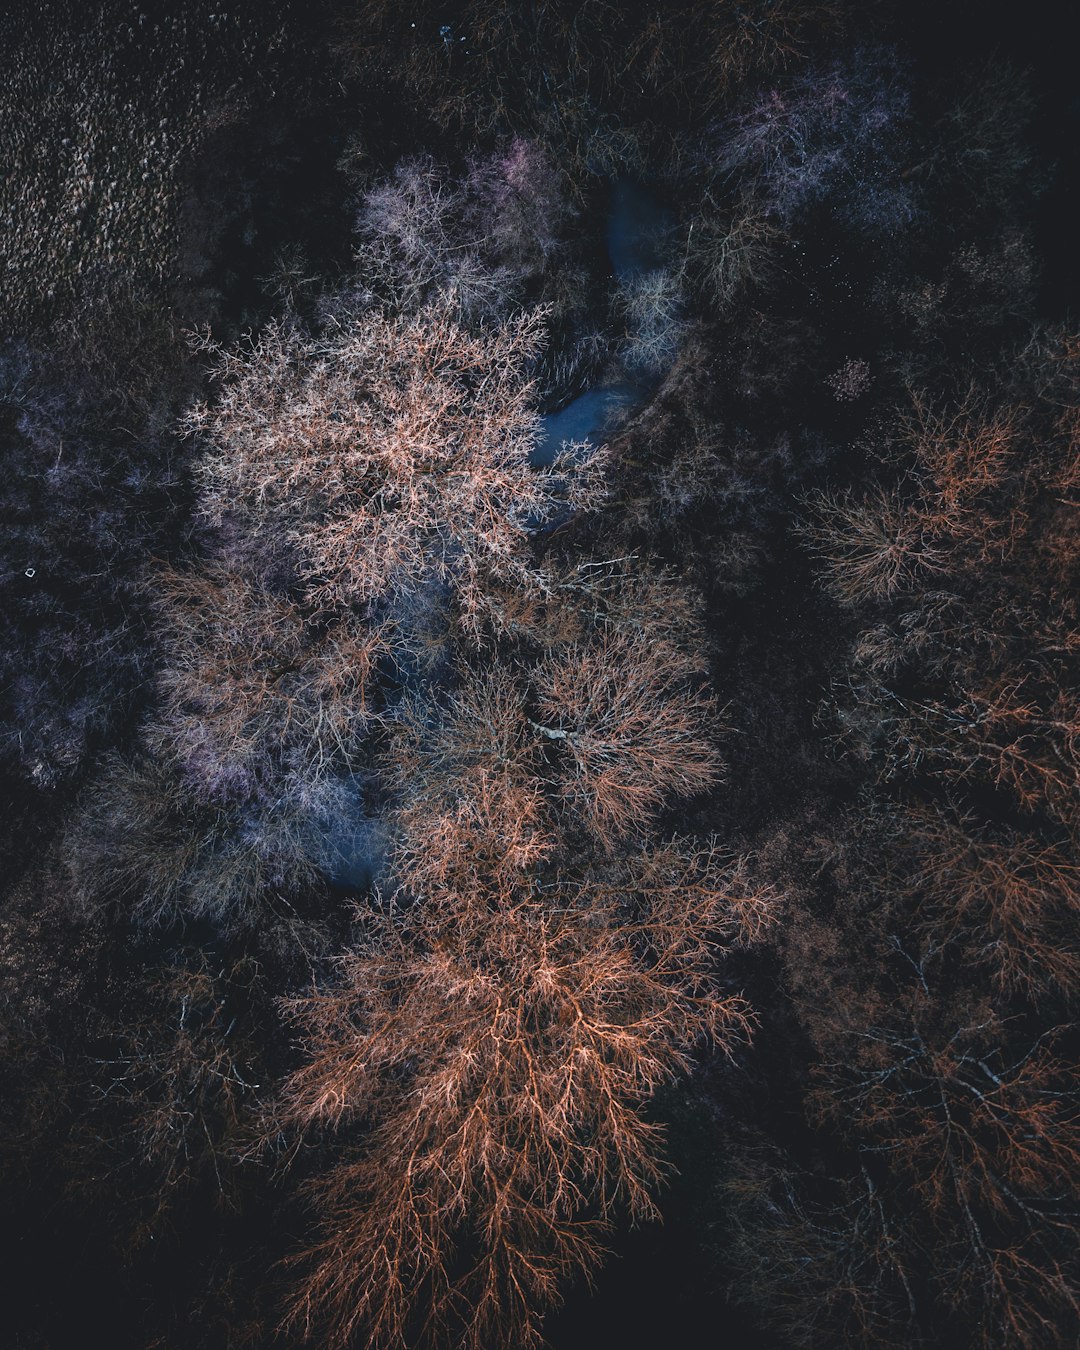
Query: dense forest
[540, 674]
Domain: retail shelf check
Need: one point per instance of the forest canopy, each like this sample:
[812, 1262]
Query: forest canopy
[539, 681]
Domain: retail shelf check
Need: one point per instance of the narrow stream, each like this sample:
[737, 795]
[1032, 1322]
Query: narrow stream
[637, 226]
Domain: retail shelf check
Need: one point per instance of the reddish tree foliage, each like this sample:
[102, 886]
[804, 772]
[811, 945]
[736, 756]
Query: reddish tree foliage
[1010, 902]
[985, 1127]
[943, 1188]
[613, 721]
[629, 728]
[974, 559]
[472, 807]
[489, 1045]
[873, 546]
[503, 1027]
[499, 1056]
[884, 542]
[939, 1197]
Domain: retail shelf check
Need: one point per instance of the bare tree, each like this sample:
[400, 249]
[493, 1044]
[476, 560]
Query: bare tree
[496, 1050]
[391, 450]
[1008, 900]
[251, 681]
[631, 728]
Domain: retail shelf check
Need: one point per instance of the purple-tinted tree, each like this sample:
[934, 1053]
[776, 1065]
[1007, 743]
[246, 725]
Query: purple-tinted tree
[832, 135]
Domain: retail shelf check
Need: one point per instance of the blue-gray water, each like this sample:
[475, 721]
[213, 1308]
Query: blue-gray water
[586, 417]
[637, 226]
[347, 843]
